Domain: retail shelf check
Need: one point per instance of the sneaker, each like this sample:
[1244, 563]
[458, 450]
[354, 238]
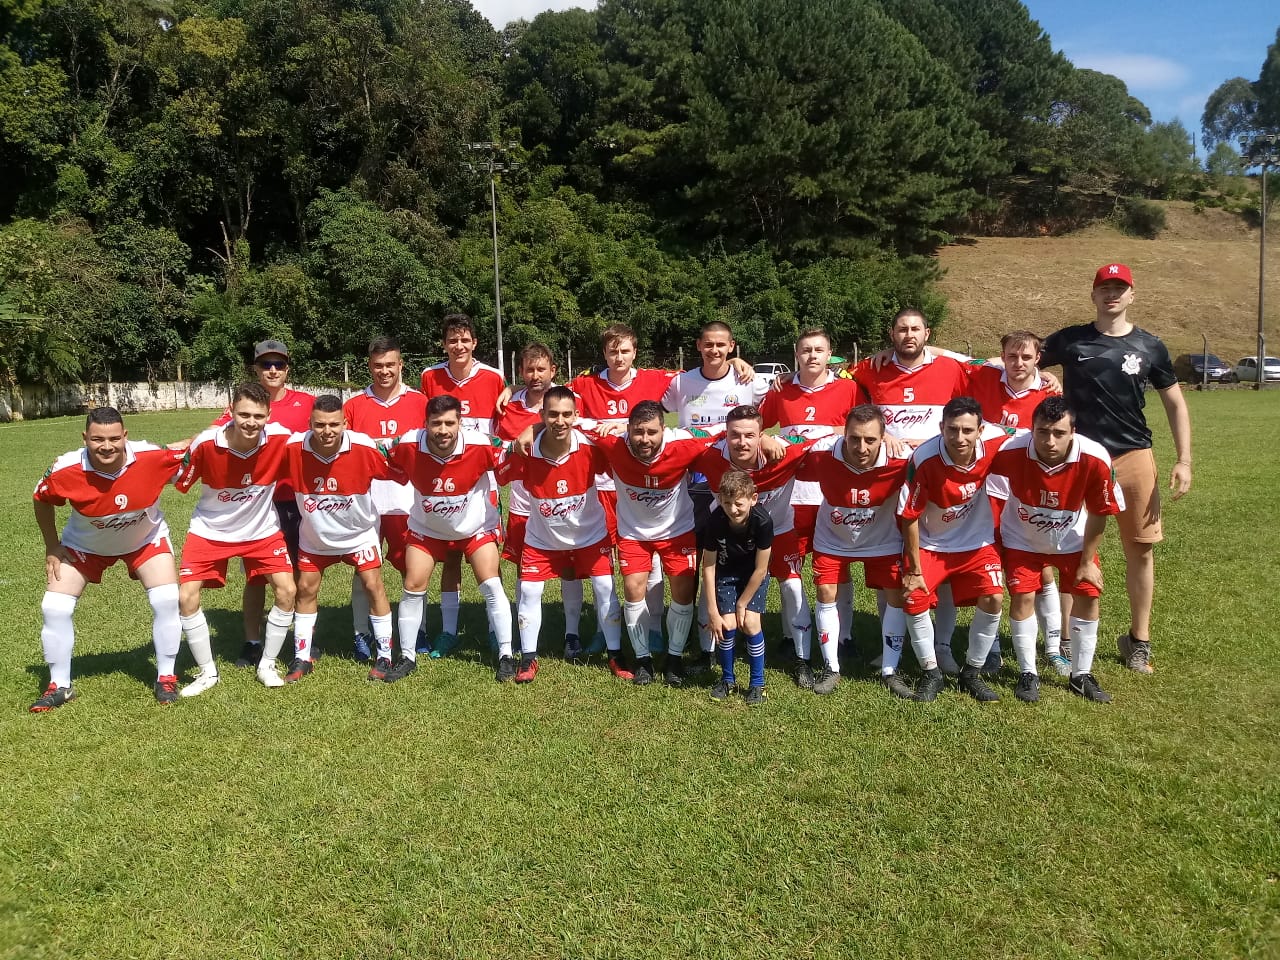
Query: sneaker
[400, 669]
[825, 681]
[946, 660]
[1060, 665]
[250, 654]
[1135, 653]
[657, 643]
[423, 645]
[673, 672]
[443, 645]
[642, 676]
[1084, 685]
[166, 689]
[803, 674]
[994, 662]
[897, 686]
[362, 648]
[720, 691]
[572, 648]
[930, 685]
[528, 670]
[754, 697]
[619, 666]
[381, 667]
[506, 671]
[200, 684]
[298, 669]
[597, 645]
[53, 697]
[1028, 688]
[269, 674]
[971, 682]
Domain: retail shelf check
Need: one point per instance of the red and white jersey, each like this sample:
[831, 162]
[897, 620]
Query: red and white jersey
[388, 420]
[236, 488]
[858, 516]
[334, 493]
[565, 511]
[455, 497]
[478, 392]
[702, 404]
[293, 412]
[912, 399]
[774, 480]
[652, 501]
[601, 401]
[809, 412]
[1000, 403]
[111, 515]
[517, 418]
[1045, 508]
[950, 501]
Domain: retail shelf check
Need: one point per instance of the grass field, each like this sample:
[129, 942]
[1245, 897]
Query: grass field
[448, 816]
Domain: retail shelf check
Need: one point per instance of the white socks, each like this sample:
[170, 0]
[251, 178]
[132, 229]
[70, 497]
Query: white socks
[450, 604]
[196, 627]
[829, 635]
[410, 618]
[382, 635]
[529, 615]
[359, 606]
[57, 636]
[304, 630]
[655, 594]
[796, 622]
[608, 611]
[893, 632]
[1049, 616]
[166, 631]
[1023, 634]
[679, 620]
[982, 634]
[571, 595]
[1084, 644]
[499, 611]
[920, 630]
[635, 617]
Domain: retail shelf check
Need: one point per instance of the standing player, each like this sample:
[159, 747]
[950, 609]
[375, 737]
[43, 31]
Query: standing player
[237, 466]
[454, 512]
[112, 484]
[385, 410]
[1057, 492]
[333, 471]
[948, 535]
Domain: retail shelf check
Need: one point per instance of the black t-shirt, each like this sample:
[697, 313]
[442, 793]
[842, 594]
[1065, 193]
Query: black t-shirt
[1104, 379]
[736, 549]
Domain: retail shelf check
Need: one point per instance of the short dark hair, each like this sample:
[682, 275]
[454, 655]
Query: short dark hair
[1020, 338]
[443, 403]
[383, 344]
[536, 351]
[747, 411]
[103, 416]
[559, 392]
[1052, 409]
[254, 392]
[615, 332]
[457, 321]
[908, 312]
[644, 411]
[715, 326]
[328, 403]
[736, 483]
[808, 332]
[961, 407]
[865, 413]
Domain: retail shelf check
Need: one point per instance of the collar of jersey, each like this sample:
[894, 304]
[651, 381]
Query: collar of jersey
[343, 447]
[87, 464]
[575, 441]
[928, 359]
[1073, 455]
[631, 378]
[1017, 394]
[220, 440]
[368, 391]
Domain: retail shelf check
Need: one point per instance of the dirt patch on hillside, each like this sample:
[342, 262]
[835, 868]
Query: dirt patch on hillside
[1199, 277]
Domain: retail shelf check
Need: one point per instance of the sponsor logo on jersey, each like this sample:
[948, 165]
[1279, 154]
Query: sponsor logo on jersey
[1046, 521]
[907, 416]
[327, 505]
[121, 521]
[650, 498]
[952, 514]
[238, 496]
[562, 508]
[444, 506]
[855, 517]
[731, 400]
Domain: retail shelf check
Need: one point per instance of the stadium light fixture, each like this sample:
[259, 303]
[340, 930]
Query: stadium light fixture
[492, 165]
[1263, 152]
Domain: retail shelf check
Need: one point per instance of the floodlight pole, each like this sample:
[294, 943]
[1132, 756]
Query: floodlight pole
[1263, 153]
[492, 167]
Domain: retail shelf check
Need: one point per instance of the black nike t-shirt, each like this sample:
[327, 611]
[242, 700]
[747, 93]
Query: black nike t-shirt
[736, 548]
[1104, 379]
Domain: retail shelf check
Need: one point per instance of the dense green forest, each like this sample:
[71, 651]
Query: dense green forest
[183, 178]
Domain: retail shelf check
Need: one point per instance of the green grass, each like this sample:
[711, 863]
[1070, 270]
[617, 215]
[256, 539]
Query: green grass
[448, 816]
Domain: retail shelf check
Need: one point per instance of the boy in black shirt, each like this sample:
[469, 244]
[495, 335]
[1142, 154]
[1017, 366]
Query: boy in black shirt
[735, 567]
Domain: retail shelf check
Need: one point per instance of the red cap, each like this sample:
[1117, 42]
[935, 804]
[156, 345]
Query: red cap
[1113, 271]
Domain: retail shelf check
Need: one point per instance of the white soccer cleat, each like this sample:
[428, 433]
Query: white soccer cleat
[269, 674]
[200, 684]
[946, 660]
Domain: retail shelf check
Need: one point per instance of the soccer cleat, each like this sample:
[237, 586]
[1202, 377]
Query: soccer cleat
[1084, 685]
[1064, 647]
[250, 654]
[528, 669]
[166, 689]
[673, 674]
[269, 674]
[506, 671]
[298, 669]
[657, 643]
[994, 662]
[754, 696]
[572, 648]
[381, 667]
[642, 676]
[53, 697]
[897, 686]
[423, 645]
[619, 666]
[1028, 688]
[1136, 653]
[1061, 665]
[720, 691]
[946, 660]
[930, 685]
[362, 648]
[971, 682]
[443, 645]
[803, 674]
[597, 645]
[825, 681]
[200, 684]
[400, 669]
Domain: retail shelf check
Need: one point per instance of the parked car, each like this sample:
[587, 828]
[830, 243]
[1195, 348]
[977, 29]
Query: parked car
[1192, 368]
[1247, 369]
[766, 373]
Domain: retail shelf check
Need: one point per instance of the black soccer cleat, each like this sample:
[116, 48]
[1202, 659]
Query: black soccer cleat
[971, 682]
[400, 669]
[1028, 688]
[930, 685]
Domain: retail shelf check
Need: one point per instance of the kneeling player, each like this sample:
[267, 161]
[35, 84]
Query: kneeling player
[735, 570]
[1057, 491]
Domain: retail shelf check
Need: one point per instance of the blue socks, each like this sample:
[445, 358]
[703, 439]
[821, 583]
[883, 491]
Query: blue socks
[755, 651]
[724, 651]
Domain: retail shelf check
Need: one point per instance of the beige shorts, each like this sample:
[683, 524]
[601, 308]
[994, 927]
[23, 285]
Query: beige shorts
[1139, 481]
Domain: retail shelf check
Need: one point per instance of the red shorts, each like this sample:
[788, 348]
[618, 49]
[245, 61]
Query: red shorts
[806, 515]
[206, 560]
[580, 563]
[513, 544]
[439, 550]
[879, 573]
[609, 500]
[679, 555]
[1023, 572]
[91, 566]
[394, 528]
[369, 558]
[971, 573]
[786, 558]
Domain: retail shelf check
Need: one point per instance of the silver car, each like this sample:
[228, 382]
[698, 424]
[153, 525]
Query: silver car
[1247, 369]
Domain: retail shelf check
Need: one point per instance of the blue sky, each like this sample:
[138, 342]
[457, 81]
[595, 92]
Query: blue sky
[1172, 53]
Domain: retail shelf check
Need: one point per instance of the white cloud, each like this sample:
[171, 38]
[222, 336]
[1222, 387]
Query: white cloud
[1139, 71]
[501, 12]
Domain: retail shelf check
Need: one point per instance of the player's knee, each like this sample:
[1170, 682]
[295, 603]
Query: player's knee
[54, 606]
[991, 603]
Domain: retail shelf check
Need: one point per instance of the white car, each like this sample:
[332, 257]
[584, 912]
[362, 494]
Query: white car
[766, 373]
[1247, 369]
